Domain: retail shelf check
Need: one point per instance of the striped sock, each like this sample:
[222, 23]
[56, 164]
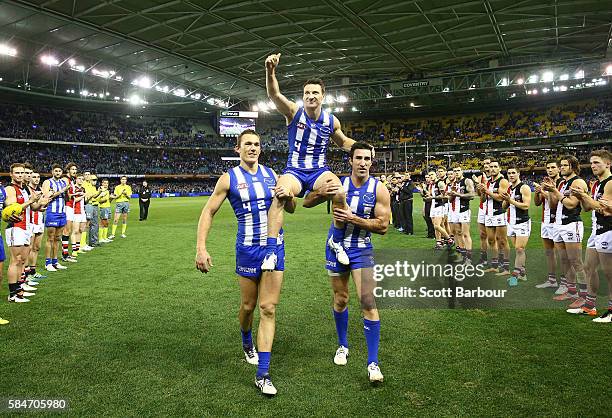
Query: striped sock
[552, 278]
[563, 281]
[610, 304]
[522, 271]
[75, 248]
[65, 245]
[590, 301]
[582, 290]
[506, 264]
[571, 289]
[483, 257]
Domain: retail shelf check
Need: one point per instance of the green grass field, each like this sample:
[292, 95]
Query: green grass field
[134, 330]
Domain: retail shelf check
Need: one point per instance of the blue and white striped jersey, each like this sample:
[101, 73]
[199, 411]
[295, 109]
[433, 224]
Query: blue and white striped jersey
[308, 140]
[361, 200]
[251, 196]
[58, 204]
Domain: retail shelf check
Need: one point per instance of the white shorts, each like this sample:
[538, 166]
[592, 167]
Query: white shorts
[456, 217]
[496, 220]
[570, 233]
[481, 216]
[547, 231]
[601, 243]
[17, 237]
[79, 218]
[437, 212]
[69, 213]
[520, 230]
[447, 209]
[38, 229]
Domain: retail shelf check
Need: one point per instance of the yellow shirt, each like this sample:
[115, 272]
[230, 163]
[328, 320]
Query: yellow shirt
[104, 199]
[121, 189]
[90, 190]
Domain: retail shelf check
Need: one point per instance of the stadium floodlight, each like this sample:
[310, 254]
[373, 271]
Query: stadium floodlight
[135, 100]
[144, 82]
[389, 96]
[49, 60]
[534, 91]
[533, 78]
[100, 73]
[179, 92]
[504, 82]
[519, 81]
[547, 77]
[255, 108]
[564, 77]
[579, 74]
[84, 93]
[328, 110]
[446, 90]
[329, 99]
[71, 62]
[562, 88]
[7, 50]
[342, 99]
[339, 109]
[545, 90]
[116, 98]
[472, 87]
[411, 104]
[609, 70]
[210, 101]
[354, 109]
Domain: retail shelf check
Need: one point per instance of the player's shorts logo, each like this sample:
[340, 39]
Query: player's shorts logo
[330, 264]
[604, 245]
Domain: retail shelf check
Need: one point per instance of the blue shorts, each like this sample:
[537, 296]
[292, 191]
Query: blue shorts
[55, 220]
[2, 254]
[360, 258]
[306, 176]
[249, 259]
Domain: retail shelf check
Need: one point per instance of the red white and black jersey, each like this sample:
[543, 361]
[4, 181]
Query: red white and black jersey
[563, 215]
[77, 205]
[601, 223]
[494, 207]
[460, 204]
[517, 215]
[22, 196]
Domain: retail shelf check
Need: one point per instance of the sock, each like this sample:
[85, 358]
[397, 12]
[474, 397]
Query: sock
[468, 254]
[590, 301]
[264, 363]
[582, 290]
[506, 264]
[27, 271]
[14, 288]
[65, 243]
[123, 228]
[494, 263]
[516, 272]
[54, 261]
[33, 270]
[371, 329]
[522, 271]
[75, 248]
[438, 243]
[83, 239]
[47, 261]
[101, 233]
[341, 319]
[571, 289]
[337, 234]
[483, 255]
[563, 280]
[247, 338]
[114, 229]
[610, 304]
[552, 278]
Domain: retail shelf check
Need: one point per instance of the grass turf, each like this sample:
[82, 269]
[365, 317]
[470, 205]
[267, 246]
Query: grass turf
[134, 330]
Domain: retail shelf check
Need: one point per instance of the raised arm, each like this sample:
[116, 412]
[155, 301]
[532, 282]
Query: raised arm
[284, 106]
[203, 260]
[340, 138]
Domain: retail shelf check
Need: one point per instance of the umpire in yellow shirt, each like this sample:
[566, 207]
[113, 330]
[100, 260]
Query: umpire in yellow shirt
[122, 195]
[91, 210]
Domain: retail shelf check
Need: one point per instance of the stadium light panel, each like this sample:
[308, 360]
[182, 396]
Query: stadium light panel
[411, 104]
[144, 82]
[534, 91]
[135, 100]
[255, 108]
[329, 99]
[71, 62]
[609, 70]
[547, 77]
[446, 90]
[564, 77]
[562, 88]
[179, 92]
[84, 93]
[504, 82]
[579, 74]
[342, 99]
[533, 78]
[545, 90]
[339, 109]
[520, 81]
[389, 95]
[49, 60]
[7, 50]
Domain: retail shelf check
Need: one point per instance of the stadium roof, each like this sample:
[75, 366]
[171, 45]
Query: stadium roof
[216, 48]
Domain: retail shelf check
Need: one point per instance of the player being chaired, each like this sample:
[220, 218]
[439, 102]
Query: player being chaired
[249, 188]
[309, 131]
[369, 211]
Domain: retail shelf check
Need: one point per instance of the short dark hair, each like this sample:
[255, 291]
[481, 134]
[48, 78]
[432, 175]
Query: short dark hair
[573, 162]
[604, 154]
[123, 177]
[552, 161]
[315, 81]
[28, 166]
[359, 145]
[246, 132]
[514, 167]
[70, 165]
[54, 166]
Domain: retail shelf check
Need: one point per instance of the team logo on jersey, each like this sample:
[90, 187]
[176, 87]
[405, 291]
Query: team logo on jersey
[301, 125]
[325, 130]
[269, 181]
[369, 198]
[242, 186]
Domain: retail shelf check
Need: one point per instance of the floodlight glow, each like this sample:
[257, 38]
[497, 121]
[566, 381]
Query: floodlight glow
[354, 109]
[84, 93]
[255, 108]
[389, 95]
[472, 87]
[503, 82]
[547, 77]
[609, 70]
[342, 99]
[71, 62]
[579, 74]
[563, 88]
[49, 60]
[135, 100]
[564, 77]
[7, 50]
[520, 81]
[534, 91]
[446, 90]
[144, 82]
[116, 98]
[271, 105]
[339, 109]
[179, 92]
[101, 73]
[411, 104]
[262, 106]
[328, 99]
[545, 90]
[532, 79]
